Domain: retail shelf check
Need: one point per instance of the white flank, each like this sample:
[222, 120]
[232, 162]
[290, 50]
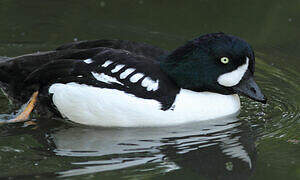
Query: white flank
[150, 84]
[110, 107]
[233, 78]
[88, 61]
[117, 68]
[128, 71]
[105, 78]
[135, 78]
[107, 63]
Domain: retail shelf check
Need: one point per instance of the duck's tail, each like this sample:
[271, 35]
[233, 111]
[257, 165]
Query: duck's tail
[14, 71]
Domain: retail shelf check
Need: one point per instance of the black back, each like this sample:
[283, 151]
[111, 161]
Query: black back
[25, 74]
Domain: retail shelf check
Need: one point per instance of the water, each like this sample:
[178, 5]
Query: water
[261, 143]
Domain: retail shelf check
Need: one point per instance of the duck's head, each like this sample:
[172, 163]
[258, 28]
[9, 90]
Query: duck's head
[217, 63]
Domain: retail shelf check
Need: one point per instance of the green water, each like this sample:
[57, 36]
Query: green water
[261, 143]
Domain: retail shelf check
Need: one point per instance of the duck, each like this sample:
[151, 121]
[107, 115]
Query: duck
[120, 83]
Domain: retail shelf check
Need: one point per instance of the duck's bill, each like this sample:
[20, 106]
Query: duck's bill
[248, 87]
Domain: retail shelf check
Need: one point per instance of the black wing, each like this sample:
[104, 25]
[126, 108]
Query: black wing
[14, 71]
[84, 71]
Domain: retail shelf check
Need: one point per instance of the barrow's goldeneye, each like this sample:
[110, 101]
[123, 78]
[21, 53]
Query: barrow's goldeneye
[124, 83]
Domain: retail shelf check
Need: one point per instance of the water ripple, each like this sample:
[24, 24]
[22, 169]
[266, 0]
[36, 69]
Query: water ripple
[282, 108]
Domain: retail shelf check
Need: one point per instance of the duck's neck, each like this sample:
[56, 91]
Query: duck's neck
[185, 72]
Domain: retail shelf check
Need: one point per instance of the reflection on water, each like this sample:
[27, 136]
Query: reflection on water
[221, 148]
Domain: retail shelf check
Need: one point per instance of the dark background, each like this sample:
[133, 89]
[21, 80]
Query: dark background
[271, 27]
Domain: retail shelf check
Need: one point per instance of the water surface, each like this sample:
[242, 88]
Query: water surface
[261, 143]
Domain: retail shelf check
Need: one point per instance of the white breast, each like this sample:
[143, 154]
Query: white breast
[110, 107]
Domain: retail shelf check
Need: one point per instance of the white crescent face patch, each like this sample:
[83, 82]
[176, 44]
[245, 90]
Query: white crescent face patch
[233, 78]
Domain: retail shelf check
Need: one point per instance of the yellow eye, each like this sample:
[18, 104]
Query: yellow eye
[225, 60]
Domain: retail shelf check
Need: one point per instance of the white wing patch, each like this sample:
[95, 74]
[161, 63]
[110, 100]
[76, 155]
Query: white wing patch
[88, 61]
[106, 63]
[147, 83]
[135, 78]
[233, 78]
[150, 84]
[117, 68]
[128, 71]
[105, 78]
